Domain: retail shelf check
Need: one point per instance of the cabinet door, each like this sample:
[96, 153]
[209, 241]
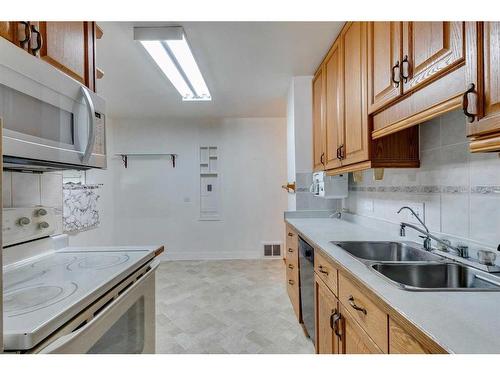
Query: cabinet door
[334, 119]
[384, 59]
[326, 308]
[16, 32]
[488, 81]
[430, 50]
[354, 339]
[355, 147]
[401, 342]
[318, 122]
[8, 30]
[69, 46]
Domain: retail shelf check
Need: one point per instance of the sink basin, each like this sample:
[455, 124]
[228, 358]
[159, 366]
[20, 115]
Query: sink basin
[436, 276]
[386, 251]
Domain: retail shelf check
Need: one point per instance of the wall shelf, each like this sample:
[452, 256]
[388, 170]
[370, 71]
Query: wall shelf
[125, 156]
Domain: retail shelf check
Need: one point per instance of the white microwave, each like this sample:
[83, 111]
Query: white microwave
[50, 120]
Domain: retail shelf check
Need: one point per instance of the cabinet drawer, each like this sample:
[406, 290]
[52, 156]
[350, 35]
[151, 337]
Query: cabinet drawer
[293, 289]
[292, 244]
[373, 320]
[327, 272]
[354, 338]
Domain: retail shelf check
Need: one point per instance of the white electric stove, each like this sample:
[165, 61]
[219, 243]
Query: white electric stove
[79, 300]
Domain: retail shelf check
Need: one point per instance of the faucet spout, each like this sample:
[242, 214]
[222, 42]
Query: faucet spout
[414, 214]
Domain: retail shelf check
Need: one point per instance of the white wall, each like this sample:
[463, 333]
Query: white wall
[152, 203]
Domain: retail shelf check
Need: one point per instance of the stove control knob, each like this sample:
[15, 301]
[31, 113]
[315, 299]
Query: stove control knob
[41, 212]
[43, 225]
[24, 221]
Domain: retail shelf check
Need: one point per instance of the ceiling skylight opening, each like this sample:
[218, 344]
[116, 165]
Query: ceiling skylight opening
[170, 50]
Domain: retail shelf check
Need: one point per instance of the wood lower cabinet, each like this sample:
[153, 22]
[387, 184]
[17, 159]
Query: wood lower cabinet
[327, 319]
[365, 311]
[401, 342]
[292, 270]
[485, 127]
[354, 340]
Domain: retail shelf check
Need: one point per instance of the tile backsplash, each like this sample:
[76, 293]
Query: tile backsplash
[460, 191]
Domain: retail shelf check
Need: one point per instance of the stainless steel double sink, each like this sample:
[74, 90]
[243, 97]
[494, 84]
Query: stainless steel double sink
[410, 267]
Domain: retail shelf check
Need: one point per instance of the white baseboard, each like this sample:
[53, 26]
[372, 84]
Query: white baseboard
[211, 255]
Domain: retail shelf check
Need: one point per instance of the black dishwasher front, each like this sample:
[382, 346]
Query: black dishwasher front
[306, 262]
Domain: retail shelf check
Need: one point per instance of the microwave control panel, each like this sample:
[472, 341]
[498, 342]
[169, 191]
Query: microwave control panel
[100, 135]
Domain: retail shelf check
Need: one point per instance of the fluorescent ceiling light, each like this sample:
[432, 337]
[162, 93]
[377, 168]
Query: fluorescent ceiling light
[175, 59]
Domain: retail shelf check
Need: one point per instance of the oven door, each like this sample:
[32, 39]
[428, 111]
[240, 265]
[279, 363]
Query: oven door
[125, 326]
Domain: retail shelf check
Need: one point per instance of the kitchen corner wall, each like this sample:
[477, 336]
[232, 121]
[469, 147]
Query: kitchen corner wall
[460, 190]
[152, 203]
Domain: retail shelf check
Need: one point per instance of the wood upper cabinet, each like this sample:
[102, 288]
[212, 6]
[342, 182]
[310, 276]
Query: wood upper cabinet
[69, 46]
[341, 125]
[334, 103]
[355, 148]
[318, 121]
[327, 317]
[430, 50]
[17, 32]
[384, 60]
[485, 129]
[8, 30]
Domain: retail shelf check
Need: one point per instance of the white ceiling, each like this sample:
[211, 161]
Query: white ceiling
[247, 67]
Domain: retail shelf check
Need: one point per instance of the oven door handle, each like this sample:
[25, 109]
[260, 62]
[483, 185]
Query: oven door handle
[58, 346]
[91, 136]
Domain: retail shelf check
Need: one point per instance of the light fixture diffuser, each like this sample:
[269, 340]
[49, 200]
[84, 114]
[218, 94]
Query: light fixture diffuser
[170, 50]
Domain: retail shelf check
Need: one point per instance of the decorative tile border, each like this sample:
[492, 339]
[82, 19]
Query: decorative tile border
[429, 189]
[73, 186]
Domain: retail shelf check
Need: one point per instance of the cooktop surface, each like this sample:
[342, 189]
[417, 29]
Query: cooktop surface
[43, 293]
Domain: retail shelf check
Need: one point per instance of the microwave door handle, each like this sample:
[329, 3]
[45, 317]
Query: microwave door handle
[59, 346]
[91, 137]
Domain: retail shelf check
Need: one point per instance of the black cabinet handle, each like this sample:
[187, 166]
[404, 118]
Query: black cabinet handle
[320, 269]
[356, 307]
[396, 66]
[39, 40]
[334, 323]
[27, 33]
[403, 75]
[322, 158]
[341, 152]
[465, 103]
